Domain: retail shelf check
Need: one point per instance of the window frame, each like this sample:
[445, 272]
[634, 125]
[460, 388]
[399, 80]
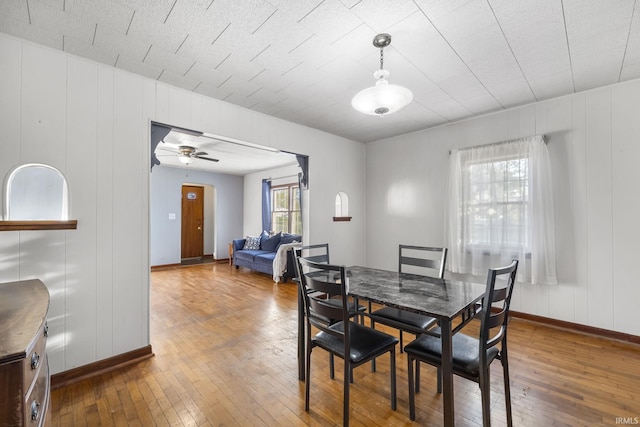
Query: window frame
[291, 187]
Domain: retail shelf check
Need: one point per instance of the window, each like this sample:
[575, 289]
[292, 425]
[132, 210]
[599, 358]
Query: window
[501, 208]
[285, 209]
[498, 203]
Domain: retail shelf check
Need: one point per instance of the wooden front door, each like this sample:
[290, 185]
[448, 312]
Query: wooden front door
[192, 221]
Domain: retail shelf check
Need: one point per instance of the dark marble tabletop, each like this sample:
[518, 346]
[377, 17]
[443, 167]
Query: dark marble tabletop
[441, 298]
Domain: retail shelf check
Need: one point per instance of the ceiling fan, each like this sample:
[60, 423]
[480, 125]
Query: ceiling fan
[186, 154]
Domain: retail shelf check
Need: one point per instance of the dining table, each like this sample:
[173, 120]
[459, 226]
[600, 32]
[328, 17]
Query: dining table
[449, 301]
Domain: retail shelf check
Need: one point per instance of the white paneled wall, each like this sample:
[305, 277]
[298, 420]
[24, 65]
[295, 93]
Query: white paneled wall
[92, 122]
[594, 144]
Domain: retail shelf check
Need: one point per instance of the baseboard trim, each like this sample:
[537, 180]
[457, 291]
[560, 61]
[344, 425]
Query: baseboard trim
[592, 330]
[100, 367]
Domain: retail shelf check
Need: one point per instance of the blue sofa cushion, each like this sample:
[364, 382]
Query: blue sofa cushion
[264, 258]
[249, 255]
[270, 243]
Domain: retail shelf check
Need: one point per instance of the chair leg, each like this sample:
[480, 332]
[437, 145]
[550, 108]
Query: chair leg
[345, 399]
[485, 389]
[331, 371]
[412, 385]
[393, 378]
[307, 381]
[373, 326]
[439, 379]
[401, 345]
[507, 386]
[417, 376]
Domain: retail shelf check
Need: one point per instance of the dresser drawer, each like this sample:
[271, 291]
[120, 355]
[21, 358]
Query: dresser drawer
[35, 358]
[36, 403]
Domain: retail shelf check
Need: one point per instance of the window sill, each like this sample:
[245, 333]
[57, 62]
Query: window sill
[38, 225]
[342, 218]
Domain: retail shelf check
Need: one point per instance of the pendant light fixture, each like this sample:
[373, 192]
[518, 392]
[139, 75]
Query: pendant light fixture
[383, 98]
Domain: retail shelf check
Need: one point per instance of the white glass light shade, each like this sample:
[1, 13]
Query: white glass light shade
[381, 99]
[185, 159]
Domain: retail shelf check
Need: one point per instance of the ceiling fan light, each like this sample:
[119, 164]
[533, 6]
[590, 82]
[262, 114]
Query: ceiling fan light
[382, 99]
[185, 159]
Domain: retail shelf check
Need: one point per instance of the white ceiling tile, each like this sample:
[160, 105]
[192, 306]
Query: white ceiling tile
[158, 10]
[153, 29]
[56, 20]
[631, 65]
[199, 20]
[160, 58]
[596, 28]
[304, 60]
[105, 56]
[249, 17]
[178, 80]
[112, 14]
[331, 20]
[214, 91]
[203, 73]
[380, 15]
[295, 9]
[30, 32]
[536, 34]
[138, 67]
[468, 19]
[436, 9]
[15, 9]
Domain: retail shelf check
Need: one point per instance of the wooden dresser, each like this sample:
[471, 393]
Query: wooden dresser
[24, 368]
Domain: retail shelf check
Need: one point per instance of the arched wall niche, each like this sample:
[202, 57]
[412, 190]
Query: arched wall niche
[35, 197]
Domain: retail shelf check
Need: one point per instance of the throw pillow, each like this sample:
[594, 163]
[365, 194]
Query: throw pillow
[252, 243]
[271, 243]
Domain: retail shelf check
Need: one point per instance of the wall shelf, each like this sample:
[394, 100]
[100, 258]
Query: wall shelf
[71, 224]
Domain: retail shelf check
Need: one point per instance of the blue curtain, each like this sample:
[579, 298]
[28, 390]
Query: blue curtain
[266, 205]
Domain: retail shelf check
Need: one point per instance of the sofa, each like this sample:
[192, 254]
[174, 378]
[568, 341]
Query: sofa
[259, 252]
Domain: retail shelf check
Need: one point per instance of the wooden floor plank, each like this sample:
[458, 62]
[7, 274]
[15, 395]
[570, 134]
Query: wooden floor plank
[225, 354]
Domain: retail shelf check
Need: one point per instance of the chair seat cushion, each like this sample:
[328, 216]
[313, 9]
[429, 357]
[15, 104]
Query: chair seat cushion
[466, 353]
[399, 318]
[366, 343]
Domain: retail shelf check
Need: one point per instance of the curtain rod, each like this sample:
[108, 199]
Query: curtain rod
[544, 138]
[282, 177]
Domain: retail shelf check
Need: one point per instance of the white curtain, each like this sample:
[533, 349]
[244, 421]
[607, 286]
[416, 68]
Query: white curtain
[500, 207]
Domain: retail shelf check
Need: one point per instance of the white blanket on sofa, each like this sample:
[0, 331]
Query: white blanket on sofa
[280, 260]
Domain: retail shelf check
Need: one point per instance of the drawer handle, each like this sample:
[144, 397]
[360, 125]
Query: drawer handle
[35, 410]
[35, 360]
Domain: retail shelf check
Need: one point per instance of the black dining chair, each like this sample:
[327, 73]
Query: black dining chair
[472, 356]
[356, 344]
[425, 261]
[317, 253]
[320, 253]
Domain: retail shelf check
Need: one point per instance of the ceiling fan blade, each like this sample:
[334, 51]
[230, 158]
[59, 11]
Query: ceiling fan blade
[207, 158]
[200, 153]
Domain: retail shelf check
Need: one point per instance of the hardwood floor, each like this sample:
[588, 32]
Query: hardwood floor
[225, 355]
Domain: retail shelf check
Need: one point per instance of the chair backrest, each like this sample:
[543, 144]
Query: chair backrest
[425, 261]
[495, 306]
[316, 281]
[315, 253]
